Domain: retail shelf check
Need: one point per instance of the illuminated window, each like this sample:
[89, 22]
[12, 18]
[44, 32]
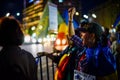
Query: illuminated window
[60, 1]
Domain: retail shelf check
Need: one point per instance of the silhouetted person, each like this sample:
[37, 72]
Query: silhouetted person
[15, 63]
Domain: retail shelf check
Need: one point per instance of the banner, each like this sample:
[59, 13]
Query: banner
[53, 22]
[78, 75]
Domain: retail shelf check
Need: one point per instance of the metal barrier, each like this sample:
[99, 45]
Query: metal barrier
[46, 67]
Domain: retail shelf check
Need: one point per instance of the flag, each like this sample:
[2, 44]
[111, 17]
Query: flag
[43, 25]
[42, 28]
[117, 21]
[65, 17]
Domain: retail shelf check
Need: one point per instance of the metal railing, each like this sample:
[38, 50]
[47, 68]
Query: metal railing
[46, 67]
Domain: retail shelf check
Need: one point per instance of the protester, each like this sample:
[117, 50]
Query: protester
[96, 62]
[83, 24]
[113, 41]
[15, 63]
[117, 52]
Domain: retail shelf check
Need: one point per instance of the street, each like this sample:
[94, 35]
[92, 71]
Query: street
[35, 48]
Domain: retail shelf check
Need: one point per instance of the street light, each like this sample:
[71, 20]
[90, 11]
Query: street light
[77, 13]
[8, 14]
[18, 14]
[85, 16]
[94, 16]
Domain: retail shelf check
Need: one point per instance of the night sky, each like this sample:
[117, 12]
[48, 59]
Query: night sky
[89, 4]
[14, 6]
[11, 6]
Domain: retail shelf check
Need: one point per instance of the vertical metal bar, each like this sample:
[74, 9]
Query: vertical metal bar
[47, 68]
[53, 69]
[41, 76]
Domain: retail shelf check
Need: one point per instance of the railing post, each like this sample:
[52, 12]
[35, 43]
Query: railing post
[47, 68]
[41, 76]
[53, 69]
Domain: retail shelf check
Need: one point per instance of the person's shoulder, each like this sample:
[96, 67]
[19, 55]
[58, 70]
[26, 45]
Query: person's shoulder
[26, 53]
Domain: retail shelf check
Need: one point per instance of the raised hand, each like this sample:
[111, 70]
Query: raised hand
[71, 12]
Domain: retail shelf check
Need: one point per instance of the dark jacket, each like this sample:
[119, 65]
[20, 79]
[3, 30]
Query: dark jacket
[17, 64]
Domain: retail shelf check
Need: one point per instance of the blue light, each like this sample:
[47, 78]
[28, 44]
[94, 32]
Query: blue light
[60, 1]
[31, 1]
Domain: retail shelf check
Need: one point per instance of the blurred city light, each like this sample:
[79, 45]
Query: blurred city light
[60, 1]
[77, 13]
[27, 39]
[94, 16]
[33, 28]
[8, 14]
[18, 14]
[34, 35]
[40, 27]
[64, 41]
[58, 41]
[85, 16]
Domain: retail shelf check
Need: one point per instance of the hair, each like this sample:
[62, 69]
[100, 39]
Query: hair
[10, 32]
[96, 29]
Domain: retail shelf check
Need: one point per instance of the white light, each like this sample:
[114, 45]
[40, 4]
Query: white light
[77, 13]
[18, 14]
[34, 35]
[85, 16]
[33, 28]
[27, 39]
[40, 40]
[114, 30]
[8, 14]
[34, 40]
[44, 39]
[94, 16]
[64, 41]
[58, 41]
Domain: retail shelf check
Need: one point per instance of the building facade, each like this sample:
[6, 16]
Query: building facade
[107, 13]
[33, 10]
[32, 13]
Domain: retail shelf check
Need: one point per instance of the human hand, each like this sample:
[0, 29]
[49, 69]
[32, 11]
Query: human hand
[71, 12]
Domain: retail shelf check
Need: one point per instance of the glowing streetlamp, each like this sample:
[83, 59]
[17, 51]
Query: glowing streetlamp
[18, 14]
[94, 16]
[8, 14]
[85, 16]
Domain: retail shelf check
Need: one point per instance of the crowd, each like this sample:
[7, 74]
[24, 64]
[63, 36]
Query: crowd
[92, 54]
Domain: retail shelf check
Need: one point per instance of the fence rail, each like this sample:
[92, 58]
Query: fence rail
[46, 67]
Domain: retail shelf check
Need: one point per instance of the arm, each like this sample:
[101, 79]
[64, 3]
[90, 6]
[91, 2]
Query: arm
[71, 31]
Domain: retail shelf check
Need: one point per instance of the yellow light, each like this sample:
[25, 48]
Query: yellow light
[40, 27]
[77, 13]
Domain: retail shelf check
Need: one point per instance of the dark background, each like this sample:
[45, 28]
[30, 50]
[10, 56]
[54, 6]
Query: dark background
[14, 6]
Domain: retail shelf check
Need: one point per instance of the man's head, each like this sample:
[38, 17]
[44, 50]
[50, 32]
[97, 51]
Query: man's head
[91, 34]
[10, 32]
[83, 23]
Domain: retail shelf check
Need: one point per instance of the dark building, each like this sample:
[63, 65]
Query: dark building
[107, 13]
[33, 10]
